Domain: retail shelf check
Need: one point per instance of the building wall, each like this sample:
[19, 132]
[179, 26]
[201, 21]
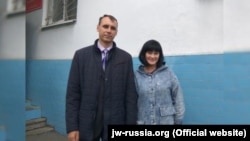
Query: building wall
[12, 75]
[182, 27]
[205, 42]
[199, 45]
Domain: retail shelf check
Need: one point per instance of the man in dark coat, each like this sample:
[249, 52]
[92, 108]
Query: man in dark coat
[96, 96]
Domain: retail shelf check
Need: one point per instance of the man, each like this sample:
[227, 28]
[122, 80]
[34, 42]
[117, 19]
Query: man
[101, 88]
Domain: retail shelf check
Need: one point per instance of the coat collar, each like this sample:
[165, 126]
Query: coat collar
[98, 50]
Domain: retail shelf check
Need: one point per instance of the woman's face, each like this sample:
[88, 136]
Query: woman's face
[152, 57]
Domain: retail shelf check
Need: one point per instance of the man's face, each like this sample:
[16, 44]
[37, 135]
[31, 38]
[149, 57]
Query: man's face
[107, 30]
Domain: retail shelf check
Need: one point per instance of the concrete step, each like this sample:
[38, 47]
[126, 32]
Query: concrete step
[40, 130]
[50, 136]
[36, 123]
[27, 102]
[32, 112]
[37, 126]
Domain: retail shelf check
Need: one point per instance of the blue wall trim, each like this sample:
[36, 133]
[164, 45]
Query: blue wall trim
[12, 98]
[46, 87]
[2, 133]
[215, 89]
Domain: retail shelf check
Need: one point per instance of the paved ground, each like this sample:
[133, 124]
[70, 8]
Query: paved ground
[50, 136]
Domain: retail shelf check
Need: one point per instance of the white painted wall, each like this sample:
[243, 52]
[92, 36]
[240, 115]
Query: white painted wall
[184, 27]
[12, 34]
[236, 25]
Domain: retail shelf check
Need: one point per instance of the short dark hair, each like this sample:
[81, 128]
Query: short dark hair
[112, 18]
[151, 45]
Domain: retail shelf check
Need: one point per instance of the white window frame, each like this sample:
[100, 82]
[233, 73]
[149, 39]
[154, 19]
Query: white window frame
[15, 7]
[47, 14]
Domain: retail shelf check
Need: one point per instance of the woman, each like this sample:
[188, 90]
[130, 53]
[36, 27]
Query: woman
[160, 98]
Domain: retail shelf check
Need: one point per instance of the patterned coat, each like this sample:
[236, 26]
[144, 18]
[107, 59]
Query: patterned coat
[87, 80]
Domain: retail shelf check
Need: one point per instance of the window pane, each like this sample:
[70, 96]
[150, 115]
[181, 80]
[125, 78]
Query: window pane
[71, 9]
[57, 10]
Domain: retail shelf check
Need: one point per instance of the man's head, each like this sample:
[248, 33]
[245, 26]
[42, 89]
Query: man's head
[107, 28]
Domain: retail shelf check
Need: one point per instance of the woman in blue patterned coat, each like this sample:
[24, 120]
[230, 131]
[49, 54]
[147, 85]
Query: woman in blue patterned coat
[160, 97]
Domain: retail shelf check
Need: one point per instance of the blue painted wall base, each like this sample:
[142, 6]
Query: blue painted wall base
[2, 133]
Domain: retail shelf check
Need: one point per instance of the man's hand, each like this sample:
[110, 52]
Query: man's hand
[73, 136]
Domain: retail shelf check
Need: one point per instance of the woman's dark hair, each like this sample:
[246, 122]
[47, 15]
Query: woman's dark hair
[151, 45]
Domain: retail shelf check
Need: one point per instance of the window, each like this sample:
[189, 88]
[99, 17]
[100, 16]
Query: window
[58, 12]
[15, 7]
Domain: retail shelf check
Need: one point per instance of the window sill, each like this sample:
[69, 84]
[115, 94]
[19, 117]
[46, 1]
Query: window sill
[15, 13]
[57, 24]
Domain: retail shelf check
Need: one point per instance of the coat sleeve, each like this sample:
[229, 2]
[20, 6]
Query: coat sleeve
[73, 96]
[178, 101]
[131, 96]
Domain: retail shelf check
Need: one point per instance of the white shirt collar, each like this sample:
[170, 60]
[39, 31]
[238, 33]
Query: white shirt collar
[102, 48]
